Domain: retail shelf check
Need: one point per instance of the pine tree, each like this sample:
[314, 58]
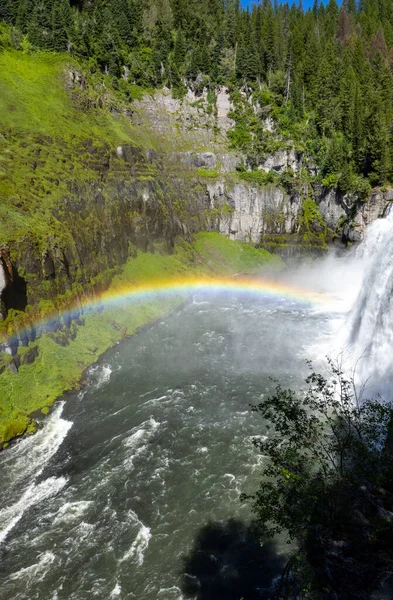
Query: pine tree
[59, 25]
[180, 48]
[344, 27]
[25, 9]
[6, 11]
[121, 19]
[347, 98]
[350, 7]
[327, 105]
[331, 18]
[378, 44]
[357, 134]
[297, 99]
[216, 71]
[40, 26]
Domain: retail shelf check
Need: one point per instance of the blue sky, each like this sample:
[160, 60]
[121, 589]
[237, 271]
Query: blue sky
[306, 3]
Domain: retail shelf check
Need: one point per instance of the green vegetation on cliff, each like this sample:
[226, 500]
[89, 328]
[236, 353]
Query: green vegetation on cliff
[319, 80]
[81, 187]
[53, 135]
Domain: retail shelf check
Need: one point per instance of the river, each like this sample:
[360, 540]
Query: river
[131, 489]
[110, 499]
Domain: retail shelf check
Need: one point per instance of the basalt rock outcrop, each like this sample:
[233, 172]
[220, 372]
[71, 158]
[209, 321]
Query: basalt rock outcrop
[252, 212]
[116, 200]
[137, 204]
[143, 199]
[366, 212]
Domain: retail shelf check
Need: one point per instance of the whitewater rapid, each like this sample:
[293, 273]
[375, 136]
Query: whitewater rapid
[107, 500]
[25, 462]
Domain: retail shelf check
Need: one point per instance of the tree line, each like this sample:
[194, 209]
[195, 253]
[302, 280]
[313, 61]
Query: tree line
[324, 75]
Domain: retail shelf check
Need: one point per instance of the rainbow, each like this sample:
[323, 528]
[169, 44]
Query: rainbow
[215, 285]
[161, 288]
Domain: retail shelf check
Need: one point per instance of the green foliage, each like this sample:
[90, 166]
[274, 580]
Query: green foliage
[227, 257]
[321, 77]
[258, 177]
[239, 136]
[312, 224]
[51, 131]
[330, 180]
[326, 459]
[209, 173]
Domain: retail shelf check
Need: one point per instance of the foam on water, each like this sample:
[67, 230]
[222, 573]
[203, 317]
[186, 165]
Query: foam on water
[29, 457]
[35, 493]
[136, 442]
[71, 511]
[172, 593]
[100, 374]
[115, 593]
[37, 571]
[137, 550]
[25, 462]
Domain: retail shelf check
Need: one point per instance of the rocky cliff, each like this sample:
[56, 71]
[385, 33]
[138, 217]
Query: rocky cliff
[92, 179]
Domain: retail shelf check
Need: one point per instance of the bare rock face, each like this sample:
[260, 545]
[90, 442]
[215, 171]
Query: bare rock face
[367, 212]
[29, 357]
[77, 78]
[206, 160]
[282, 160]
[223, 162]
[193, 117]
[3, 284]
[332, 206]
[12, 286]
[223, 108]
[246, 212]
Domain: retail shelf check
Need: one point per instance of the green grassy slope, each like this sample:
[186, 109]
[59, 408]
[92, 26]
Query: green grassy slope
[48, 128]
[59, 367]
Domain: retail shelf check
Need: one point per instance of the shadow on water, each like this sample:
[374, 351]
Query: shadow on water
[228, 562]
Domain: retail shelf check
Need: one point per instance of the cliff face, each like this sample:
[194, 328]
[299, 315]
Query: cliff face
[100, 223]
[142, 199]
[92, 179]
[253, 212]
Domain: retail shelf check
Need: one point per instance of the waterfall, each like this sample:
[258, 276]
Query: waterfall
[370, 323]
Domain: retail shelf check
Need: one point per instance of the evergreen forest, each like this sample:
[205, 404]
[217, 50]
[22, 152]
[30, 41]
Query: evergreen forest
[320, 79]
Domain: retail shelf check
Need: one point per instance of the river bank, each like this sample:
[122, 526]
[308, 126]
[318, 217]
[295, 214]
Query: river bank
[56, 360]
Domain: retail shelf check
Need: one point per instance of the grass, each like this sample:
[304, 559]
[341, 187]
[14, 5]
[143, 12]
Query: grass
[34, 99]
[50, 135]
[208, 173]
[228, 257]
[59, 367]
[257, 177]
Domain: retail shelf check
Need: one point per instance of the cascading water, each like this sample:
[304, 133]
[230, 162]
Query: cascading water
[370, 323]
